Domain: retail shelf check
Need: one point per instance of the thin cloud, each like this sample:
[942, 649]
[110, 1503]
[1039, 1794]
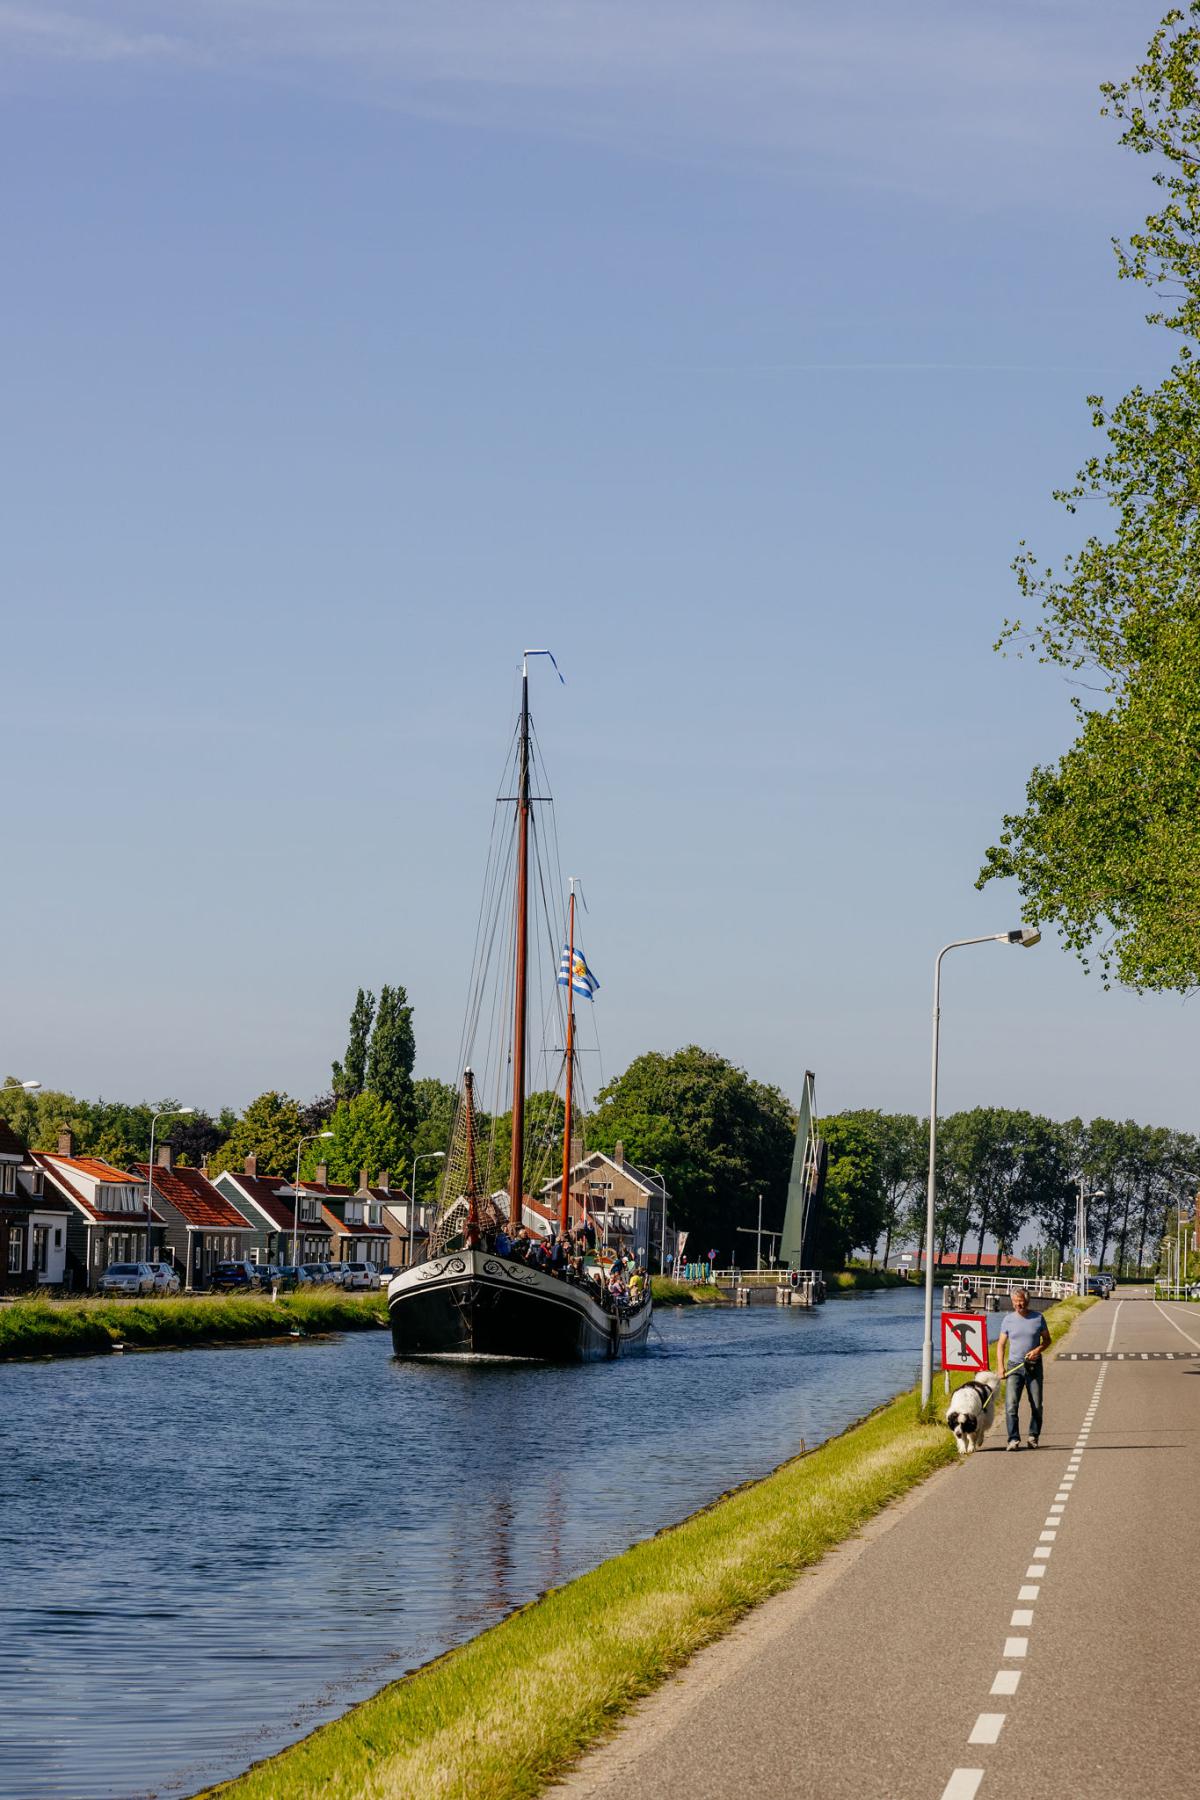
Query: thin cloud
[934, 93]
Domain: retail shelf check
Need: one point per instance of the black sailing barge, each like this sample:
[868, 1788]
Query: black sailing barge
[469, 1299]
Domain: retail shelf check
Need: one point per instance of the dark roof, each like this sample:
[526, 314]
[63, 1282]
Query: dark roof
[264, 1191]
[195, 1198]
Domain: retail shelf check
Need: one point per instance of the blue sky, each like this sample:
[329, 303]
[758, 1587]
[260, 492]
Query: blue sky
[728, 348]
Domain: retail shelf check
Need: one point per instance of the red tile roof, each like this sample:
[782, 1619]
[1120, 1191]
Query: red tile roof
[969, 1260]
[56, 1167]
[193, 1196]
[279, 1208]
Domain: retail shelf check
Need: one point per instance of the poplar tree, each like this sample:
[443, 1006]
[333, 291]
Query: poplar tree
[393, 1051]
[350, 1076]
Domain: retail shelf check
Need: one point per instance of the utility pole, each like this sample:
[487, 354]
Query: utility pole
[755, 1231]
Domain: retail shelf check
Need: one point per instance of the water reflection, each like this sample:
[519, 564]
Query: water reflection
[205, 1554]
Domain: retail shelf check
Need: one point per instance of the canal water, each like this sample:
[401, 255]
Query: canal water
[203, 1554]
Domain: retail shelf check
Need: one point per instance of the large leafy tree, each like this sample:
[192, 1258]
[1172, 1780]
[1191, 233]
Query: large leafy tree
[1107, 847]
[367, 1134]
[852, 1210]
[902, 1150]
[270, 1128]
[719, 1137]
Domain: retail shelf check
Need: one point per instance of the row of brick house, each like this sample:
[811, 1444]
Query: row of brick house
[65, 1218]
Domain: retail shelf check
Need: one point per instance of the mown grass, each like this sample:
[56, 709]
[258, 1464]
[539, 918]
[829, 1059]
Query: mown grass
[844, 1281]
[683, 1293]
[500, 1717]
[84, 1327]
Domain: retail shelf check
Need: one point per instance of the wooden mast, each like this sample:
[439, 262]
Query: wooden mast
[566, 1173]
[516, 1178]
[472, 1231]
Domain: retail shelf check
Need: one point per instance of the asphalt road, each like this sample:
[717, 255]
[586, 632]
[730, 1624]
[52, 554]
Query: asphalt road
[1023, 1625]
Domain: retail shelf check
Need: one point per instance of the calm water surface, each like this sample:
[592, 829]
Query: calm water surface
[204, 1554]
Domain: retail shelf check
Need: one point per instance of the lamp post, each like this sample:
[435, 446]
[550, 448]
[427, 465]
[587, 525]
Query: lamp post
[1081, 1234]
[1027, 936]
[11, 1087]
[429, 1156]
[312, 1138]
[166, 1112]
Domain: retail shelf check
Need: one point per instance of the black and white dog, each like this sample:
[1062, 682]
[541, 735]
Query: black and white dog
[972, 1410]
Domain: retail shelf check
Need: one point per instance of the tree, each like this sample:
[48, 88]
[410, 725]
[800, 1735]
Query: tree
[1106, 848]
[366, 1135]
[434, 1103]
[270, 1128]
[852, 1212]
[350, 1076]
[392, 1054]
[902, 1150]
[719, 1138]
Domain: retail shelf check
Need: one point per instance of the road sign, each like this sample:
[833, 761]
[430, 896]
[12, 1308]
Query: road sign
[964, 1341]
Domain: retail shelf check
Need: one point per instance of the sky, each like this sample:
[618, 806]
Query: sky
[729, 349]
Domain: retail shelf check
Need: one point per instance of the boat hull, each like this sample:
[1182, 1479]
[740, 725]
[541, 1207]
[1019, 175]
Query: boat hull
[474, 1304]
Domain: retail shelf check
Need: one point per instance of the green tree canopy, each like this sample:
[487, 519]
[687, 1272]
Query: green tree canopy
[366, 1135]
[852, 1212]
[1107, 847]
[270, 1128]
[392, 1053]
[719, 1137]
[350, 1076]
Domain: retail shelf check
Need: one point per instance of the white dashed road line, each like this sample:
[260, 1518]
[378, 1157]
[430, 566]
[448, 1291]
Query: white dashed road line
[964, 1784]
[1179, 1328]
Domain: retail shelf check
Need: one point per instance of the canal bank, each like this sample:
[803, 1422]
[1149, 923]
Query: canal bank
[506, 1713]
[54, 1328]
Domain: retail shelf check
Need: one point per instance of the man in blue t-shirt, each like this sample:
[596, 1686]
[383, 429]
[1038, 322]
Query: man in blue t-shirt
[1024, 1337]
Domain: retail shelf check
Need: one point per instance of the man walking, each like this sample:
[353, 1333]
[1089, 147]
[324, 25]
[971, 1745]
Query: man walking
[1025, 1336]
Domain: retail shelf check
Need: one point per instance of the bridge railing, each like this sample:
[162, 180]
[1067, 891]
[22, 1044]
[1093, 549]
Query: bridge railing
[1043, 1287]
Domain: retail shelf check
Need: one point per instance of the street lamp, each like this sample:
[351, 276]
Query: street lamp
[431, 1156]
[1027, 936]
[312, 1138]
[9, 1087]
[166, 1112]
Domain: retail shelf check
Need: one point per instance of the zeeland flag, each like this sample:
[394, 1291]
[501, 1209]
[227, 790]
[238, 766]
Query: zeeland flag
[574, 973]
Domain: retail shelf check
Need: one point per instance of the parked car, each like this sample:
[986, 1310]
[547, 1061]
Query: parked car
[360, 1275]
[266, 1275]
[229, 1277]
[1100, 1284]
[126, 1278]
[166, 1281]
[315, 1274]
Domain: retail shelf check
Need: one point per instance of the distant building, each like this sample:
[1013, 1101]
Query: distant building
[106, 1211]
[984, 1265]
[200, 1226]
[627, 1204]
[33, 1222]
[278, 1215]
[359, 1231]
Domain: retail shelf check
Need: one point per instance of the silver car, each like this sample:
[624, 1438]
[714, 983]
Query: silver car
[127, 1278]
[166, 1281]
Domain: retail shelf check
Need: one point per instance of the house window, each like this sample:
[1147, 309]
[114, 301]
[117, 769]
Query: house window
[16, 1247]
[10, 1178]
[58, 1237]
[41, 1248]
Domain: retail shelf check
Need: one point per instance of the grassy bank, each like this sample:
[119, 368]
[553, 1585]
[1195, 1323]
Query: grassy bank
[84, 1327]
[849, 1281]
[500, 1717]
[683, 1293]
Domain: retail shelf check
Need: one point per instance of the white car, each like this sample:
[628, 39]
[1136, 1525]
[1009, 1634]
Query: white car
[166, 1281]
[126, 1278]
[360, 1275]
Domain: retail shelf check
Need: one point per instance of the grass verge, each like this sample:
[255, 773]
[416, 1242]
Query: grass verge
[846, 1281]
[500, 1717]
[84, 1327]
[683, 1293]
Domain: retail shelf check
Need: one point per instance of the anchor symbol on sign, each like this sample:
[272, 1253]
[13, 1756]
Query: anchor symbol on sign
[963, 1333]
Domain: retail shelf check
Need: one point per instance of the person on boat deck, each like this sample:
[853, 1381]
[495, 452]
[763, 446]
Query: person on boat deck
[587, 1232]
[558, 1256]
[503, 1244]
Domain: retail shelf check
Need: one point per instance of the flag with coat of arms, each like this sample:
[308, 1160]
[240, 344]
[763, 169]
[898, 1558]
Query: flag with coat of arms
[574, 973]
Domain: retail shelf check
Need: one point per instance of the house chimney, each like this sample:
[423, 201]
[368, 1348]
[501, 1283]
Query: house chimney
[66, 1142]
[364, 1186]
[576, 1151]
[252, 1163]
[166, 1156]
[321, 1178]
[619, 1154]
[383, 1181]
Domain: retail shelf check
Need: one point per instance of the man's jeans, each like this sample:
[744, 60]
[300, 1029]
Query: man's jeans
[1027, 1379]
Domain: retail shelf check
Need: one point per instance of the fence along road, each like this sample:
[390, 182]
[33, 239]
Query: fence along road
[1021, 1624]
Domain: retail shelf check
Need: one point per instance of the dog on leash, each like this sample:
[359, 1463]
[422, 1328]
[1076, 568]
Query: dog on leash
[972, 1410]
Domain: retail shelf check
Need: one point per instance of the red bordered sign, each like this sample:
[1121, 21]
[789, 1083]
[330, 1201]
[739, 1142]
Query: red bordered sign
[964, 1341]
